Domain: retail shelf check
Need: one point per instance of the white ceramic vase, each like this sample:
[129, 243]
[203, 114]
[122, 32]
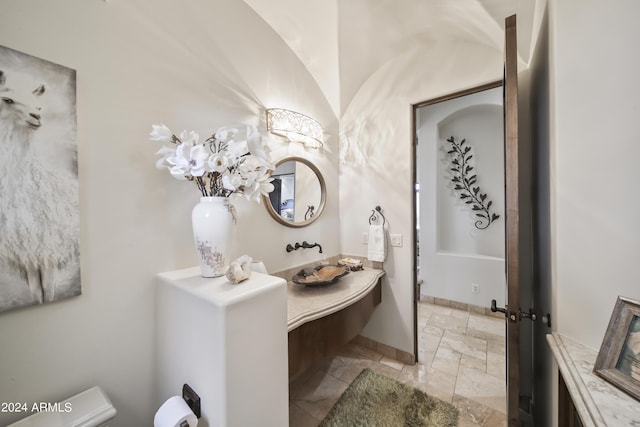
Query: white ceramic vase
[214, 221]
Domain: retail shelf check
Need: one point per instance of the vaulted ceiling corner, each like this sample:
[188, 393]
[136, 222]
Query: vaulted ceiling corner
[344, 42]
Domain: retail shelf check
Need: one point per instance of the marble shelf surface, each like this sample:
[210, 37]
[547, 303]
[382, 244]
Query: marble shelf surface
[307, 303]
[597, 402]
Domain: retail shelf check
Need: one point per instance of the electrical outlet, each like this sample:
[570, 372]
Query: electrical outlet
[475, 288]
[365, 238]
[396, 240]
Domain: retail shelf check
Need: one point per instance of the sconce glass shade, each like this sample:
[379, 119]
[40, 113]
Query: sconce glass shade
[295, 127]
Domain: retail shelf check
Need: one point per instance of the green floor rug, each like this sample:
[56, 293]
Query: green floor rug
[374, 399]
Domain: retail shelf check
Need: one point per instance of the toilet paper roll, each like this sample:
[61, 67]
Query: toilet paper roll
[173, 413]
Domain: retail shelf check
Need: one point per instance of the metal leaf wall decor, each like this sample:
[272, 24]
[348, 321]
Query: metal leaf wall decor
[465, 183]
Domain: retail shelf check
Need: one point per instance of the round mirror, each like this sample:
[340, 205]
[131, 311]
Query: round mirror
[299, 192]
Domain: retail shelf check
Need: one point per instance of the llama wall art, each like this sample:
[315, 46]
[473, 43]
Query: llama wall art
[39, 212]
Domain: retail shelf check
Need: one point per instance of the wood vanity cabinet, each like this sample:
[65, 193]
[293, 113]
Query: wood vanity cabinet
[567, 413]
[316, 339]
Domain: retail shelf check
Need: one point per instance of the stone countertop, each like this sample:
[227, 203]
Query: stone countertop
[307, 303]
[598, 402]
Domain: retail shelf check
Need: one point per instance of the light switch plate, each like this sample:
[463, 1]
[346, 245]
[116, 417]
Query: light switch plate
[365, 238]
[396, 240]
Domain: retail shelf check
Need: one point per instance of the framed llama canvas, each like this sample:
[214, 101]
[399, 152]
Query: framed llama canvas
[39, 212]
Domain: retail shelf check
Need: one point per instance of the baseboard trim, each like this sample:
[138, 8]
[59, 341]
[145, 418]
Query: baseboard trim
[386, 350]
[460, 306]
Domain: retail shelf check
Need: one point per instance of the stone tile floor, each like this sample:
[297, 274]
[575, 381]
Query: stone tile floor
[461, 360]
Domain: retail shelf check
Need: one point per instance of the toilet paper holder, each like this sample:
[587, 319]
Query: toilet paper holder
[193, 400]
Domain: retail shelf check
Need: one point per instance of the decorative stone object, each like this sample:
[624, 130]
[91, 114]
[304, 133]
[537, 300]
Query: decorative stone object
[351, 263]
[240, 269]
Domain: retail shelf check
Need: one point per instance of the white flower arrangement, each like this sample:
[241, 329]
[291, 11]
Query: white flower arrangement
[221, 165]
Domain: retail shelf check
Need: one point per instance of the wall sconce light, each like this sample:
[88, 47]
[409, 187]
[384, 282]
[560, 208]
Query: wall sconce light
[295, 127]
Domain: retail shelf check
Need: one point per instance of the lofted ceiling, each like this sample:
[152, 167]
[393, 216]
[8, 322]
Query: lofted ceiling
[343, 42]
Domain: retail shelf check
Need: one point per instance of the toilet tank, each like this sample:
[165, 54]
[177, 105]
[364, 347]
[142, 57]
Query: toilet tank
[91, 408]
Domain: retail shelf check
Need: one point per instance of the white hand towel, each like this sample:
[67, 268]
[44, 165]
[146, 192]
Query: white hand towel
[377, 243]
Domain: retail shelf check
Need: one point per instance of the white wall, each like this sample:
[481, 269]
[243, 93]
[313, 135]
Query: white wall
[196, 65]
[595, 151]
[375, 163]
[453, 252]
[192, 65]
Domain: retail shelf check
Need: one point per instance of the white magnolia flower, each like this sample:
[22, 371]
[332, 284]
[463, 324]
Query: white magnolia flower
[256, 147]
[257, 182]
[189, 138]
[237, 149]
[225, 164]
[165, 153]
[188, 160]
[231, 182]
[160, 133]
[225, 134]
[218, 162]
[257, 189]
[262, 187]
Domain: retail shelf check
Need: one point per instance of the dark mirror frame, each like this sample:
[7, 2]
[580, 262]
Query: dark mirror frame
[323, 191]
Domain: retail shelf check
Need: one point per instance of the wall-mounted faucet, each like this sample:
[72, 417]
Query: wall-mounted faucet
[304, 245]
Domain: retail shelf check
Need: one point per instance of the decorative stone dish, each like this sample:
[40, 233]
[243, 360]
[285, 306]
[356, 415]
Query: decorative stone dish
[321, 275]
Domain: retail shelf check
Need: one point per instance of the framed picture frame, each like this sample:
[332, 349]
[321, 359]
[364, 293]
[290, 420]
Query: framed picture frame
[618, 360]
[39, 194]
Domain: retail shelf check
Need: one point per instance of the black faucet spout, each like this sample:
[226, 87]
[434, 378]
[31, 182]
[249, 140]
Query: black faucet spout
[305, 245]
[308, 245]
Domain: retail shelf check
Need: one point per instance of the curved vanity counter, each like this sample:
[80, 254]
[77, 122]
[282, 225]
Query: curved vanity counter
[307, 303]
[322, 319]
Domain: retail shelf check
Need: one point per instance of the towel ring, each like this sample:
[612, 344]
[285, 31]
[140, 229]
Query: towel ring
[373, 216]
